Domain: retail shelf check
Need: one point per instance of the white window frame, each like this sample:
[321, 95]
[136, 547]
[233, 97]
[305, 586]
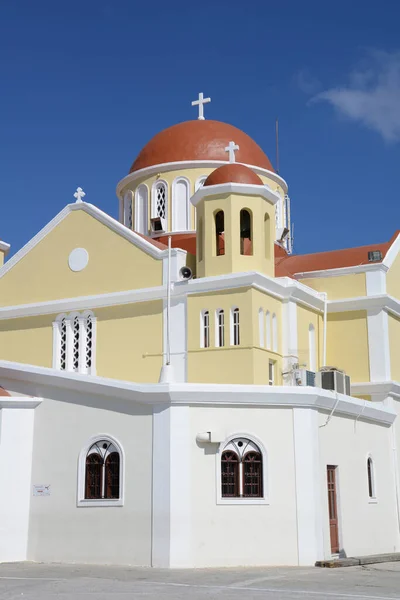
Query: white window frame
[128, 209]
[268, 330]
[218, 328]
[205, 327]
[86, 502]
[142, 208]
[271, 372]
[371, 499]
[69, 321]
[242, 501]
[154, 215]
[175, 206]
[234, 328]
[261, 327]
[274, 333]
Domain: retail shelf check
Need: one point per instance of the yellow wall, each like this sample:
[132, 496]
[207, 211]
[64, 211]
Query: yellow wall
[394, 340]
[344, 286]
[305, 318]
[347, 344]
[262, 258]
[192, 175]
[28, 340]
[393, 279]
[115, 264]
[128, 345]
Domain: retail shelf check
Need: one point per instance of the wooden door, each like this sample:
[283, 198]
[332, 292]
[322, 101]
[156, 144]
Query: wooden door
[332, 504]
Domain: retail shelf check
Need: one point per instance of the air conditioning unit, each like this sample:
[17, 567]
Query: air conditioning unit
[304, 377]
[330, 378]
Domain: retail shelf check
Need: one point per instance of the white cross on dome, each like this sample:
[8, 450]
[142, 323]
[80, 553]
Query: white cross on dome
[79, 194]
[200, 103]
[231, 148]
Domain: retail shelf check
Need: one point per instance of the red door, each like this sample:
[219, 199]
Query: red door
[332, 504]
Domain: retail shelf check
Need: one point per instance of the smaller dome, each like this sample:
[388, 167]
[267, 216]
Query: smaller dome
[233, 173]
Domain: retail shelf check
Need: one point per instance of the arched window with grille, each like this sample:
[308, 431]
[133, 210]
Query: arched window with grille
[219, 233]
[74, 342]
[128, 209]
[371, 478]
[204, 329]
[242, 470]
[235, 327]
[100, 476]
[181, 204]
[159, 202]
[220, 328]
[246, 237]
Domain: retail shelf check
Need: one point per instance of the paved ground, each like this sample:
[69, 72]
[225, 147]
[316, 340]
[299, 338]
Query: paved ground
[82, 582]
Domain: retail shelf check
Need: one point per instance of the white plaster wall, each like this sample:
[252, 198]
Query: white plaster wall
[364, 527]
[16, 437]
[60, 531]
[235, 535]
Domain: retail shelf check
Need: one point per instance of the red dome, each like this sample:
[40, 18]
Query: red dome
[200, 140]
[233, 173]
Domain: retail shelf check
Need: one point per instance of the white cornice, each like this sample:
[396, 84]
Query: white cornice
[377, 388]
[74, 387]
[101, 216]
[342, 271]
[235, 188]
[19, 402]
[193, 164]
[283, 288]
[378, 302]
[4, 247]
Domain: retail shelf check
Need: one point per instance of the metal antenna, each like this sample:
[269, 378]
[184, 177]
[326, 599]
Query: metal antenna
[277, 144]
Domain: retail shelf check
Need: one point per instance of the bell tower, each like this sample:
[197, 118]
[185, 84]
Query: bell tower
[235, 214]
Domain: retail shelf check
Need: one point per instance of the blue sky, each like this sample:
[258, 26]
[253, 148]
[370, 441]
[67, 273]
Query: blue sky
[84, 85]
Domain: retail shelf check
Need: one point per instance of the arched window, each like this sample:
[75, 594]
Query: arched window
[312, 360]
[371, 479]
[159, 203]
[267, 235]
[200, 241]
[246, 245]
[205, 329]
[219, 233]
[242, 473]
[261, 327]
[128, 214]
[274, 333]
[268, 329]
[220, 328]
[200, 182]
[74, 342]
[235, 327]
[100, 475]
[142, 209]
[181, 204]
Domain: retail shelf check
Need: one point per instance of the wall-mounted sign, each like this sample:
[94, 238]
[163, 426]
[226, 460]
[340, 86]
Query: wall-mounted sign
[41, 490]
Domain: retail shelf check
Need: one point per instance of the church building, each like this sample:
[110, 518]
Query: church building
[179, 389]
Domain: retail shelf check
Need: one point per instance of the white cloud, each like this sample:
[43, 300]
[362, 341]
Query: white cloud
[372, 96]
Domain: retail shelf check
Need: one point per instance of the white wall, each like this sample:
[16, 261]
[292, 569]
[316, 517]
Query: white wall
[235, 535]
[59, 530]
[16, 437]
[364, 527]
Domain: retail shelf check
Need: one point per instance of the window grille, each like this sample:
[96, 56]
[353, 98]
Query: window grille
[89, 342]
[63, 344]
[128, 212]
[206, 329]
[76, 335]
[220, 328]
[102, 471]
[271, 372]
[241, 470]
[236, 327]
[161, 200]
